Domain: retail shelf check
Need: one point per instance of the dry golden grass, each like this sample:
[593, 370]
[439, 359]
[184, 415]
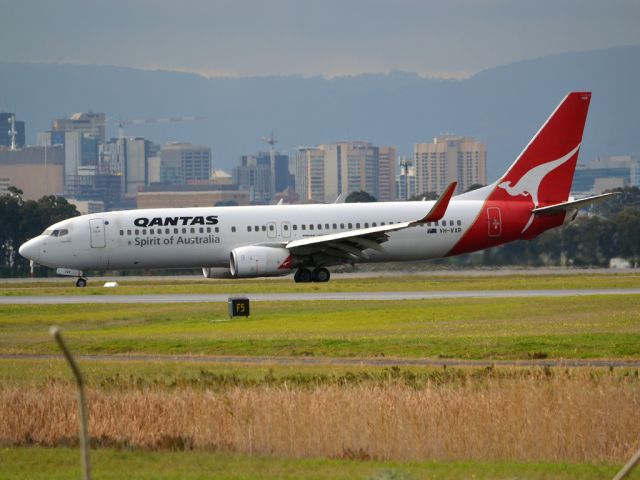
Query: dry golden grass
[551, 416]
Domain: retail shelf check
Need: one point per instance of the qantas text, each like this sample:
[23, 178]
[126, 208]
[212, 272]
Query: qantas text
[174, 221]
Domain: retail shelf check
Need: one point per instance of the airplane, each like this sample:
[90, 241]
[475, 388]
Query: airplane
[263, 241]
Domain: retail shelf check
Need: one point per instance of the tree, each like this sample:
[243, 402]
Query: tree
[360, 197]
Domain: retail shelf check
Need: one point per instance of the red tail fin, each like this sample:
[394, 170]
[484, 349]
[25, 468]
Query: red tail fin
[542, 175]
[544, 170]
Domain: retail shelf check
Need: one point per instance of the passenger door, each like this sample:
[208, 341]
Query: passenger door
[98, 239]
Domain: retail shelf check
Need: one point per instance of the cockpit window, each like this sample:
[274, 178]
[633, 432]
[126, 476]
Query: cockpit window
[56, 233]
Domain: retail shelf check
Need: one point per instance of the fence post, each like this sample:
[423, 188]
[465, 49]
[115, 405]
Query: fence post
[82, 406]
[626, 470]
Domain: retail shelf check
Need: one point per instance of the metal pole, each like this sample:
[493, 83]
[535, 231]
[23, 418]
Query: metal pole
[82, 406]
[626, 470]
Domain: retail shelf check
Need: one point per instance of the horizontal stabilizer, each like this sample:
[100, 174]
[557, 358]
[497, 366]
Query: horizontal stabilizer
[572, 205]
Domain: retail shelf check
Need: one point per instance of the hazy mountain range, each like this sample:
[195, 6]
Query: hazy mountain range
[501, 106]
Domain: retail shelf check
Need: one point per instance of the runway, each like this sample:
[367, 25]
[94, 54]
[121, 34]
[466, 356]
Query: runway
[306, 297]
[337, 361]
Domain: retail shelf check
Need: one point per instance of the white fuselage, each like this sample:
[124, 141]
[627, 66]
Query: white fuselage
[132, 239]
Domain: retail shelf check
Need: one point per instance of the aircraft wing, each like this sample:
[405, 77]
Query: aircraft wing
[351, 244]
[572, 205]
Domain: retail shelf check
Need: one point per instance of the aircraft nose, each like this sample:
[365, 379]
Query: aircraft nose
[30, 249]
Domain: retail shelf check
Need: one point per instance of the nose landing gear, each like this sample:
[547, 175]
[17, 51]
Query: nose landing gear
[81, 282]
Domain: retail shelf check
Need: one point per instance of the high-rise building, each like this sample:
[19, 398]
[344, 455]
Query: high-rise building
[92, 124]
[387, 174]
[254, 175]
[184, 163]
[136, 165]
[6, 122]
[317, 176]
[326, 171]
[448, 159]
[359, 167]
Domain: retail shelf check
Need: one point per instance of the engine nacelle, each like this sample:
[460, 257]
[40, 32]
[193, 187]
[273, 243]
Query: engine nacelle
[216, 272]
[256, 261]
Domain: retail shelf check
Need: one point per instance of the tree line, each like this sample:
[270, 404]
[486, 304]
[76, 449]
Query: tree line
[21, 220]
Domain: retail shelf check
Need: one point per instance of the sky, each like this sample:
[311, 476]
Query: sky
[450, 39]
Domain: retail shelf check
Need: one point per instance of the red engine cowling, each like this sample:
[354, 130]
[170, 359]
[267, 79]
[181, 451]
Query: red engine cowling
[256, 261]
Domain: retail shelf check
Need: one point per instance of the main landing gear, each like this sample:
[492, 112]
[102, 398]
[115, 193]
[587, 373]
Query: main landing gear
[81, 282]
[304, 275]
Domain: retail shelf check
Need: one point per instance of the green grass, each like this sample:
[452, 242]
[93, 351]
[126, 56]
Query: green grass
[514, 328]
[286, 285]
[63, 463]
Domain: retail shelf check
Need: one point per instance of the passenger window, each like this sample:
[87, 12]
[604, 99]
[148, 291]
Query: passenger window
[459, 222]
[271, 228]
[217, 230]
[257, 228]
[435, 224]
[381, 223]
[201, 230]
[350, 225]
[193, 230]
[208, 229]
[335, 226]
[357, 225]
[366, 225]
[374, 224]
[319, 226]
[303, 226]
[264, 228]
[144, 231]
[175, 231]
[233, 229]
[451, 223]
[342, 225]
[311, 226]
[295, 227]
[285, 228]
[249, 228]
[137, 232]
[128, 232]
[184, 230]
[326, 226]
[121, 232]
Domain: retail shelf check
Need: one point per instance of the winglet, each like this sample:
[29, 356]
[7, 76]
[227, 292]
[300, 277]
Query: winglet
[440, 207]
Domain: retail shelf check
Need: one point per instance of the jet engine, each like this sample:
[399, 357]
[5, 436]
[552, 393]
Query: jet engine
[216, 272]
[256, 261]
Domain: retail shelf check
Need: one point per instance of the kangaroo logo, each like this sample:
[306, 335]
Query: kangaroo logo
[529, 183]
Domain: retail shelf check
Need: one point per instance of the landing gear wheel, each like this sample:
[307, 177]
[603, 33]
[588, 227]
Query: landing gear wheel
[302, 275]
[81, 282]
[321, 275]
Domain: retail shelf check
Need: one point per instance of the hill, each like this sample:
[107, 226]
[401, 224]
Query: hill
[502, 106]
